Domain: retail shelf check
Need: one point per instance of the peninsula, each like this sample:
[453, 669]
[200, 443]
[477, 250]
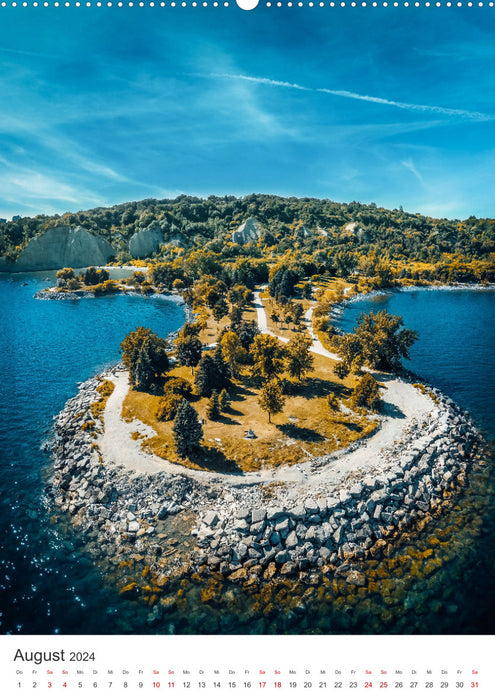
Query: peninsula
[259, 444]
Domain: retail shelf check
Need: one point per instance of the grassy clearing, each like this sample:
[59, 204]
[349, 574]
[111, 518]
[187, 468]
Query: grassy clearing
[306, 428]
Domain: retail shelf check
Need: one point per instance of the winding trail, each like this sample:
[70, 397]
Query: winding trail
[316, 346]
[403, 404]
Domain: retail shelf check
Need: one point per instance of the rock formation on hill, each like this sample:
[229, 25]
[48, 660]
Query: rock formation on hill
[146, 241]
[306, 232]
[248, 232]
[63, 246]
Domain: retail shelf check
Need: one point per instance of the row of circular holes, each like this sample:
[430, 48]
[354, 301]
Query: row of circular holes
[268, 4]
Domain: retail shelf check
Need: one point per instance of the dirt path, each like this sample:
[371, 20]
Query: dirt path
[402, 404]
[316, 346]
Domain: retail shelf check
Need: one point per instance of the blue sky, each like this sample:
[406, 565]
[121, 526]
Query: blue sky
[101, 106]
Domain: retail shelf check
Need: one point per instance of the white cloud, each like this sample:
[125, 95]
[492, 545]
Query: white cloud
[27, 188]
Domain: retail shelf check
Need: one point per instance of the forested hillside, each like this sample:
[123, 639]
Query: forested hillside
[326, 236]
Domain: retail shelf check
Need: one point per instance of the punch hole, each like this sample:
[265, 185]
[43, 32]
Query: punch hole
[247, 4]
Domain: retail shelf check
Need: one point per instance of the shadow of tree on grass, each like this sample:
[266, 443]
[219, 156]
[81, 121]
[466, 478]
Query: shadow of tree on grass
[212, 459]
[315, 388]
[298, 433]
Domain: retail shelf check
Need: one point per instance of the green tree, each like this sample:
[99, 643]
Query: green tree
[297, 312]
[350, 348]
[145, 356]
[189, 350]
[191, 329]
[366, 392]
[213, 409]
[283, 282]
[64, 275]
[341, 370]
[220, 309]
[271, 398]
[247, 332]
[268, 355]
[235, 316]
[206, 376]
[224, 400]
[307, 291]
[144, 374]
[298, 357]
[232, 351]
[187, 429]
[239, 295]
[345, 262]
[384, 340]
[223, 373]
[93, 276]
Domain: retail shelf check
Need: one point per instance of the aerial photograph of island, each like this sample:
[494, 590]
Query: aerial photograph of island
[247, 320]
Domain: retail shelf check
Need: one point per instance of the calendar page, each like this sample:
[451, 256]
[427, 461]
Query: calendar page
[246, 337]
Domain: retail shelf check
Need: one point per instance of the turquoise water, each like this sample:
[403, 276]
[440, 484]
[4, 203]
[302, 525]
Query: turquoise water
[48, 583]
[47, 347]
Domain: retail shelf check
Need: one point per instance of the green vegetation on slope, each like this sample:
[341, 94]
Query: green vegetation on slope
[382, 245]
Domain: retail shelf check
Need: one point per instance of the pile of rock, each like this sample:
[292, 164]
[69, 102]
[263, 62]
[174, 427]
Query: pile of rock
[62, 296]
[238, 530]
[348, 522]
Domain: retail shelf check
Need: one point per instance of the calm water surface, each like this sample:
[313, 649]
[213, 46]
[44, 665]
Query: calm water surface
[455, 348]
[441, 581]
[46, 349]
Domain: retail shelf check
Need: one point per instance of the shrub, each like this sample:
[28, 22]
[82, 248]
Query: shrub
[333, 402]
[137, 278]
[88, 425]
[107, 287]
[106, 388]
[168, 407]
[178, 386]
[366, 393]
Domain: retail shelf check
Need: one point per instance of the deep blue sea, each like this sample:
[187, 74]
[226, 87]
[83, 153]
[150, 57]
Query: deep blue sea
[46, 349]
[49, 584]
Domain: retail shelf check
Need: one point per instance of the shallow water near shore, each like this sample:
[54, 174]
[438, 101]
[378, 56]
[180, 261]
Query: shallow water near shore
[439, 581]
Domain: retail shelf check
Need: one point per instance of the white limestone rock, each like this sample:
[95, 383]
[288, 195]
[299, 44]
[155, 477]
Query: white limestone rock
[64, 246]
[248, 232]
[146, 241]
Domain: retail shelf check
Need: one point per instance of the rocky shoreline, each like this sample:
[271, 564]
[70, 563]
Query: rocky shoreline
[86, 294]
[60, 296]
[249, 533]
[338, 308]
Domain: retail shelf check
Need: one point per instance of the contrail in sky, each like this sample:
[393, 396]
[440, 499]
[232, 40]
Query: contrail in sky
[478, 116]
